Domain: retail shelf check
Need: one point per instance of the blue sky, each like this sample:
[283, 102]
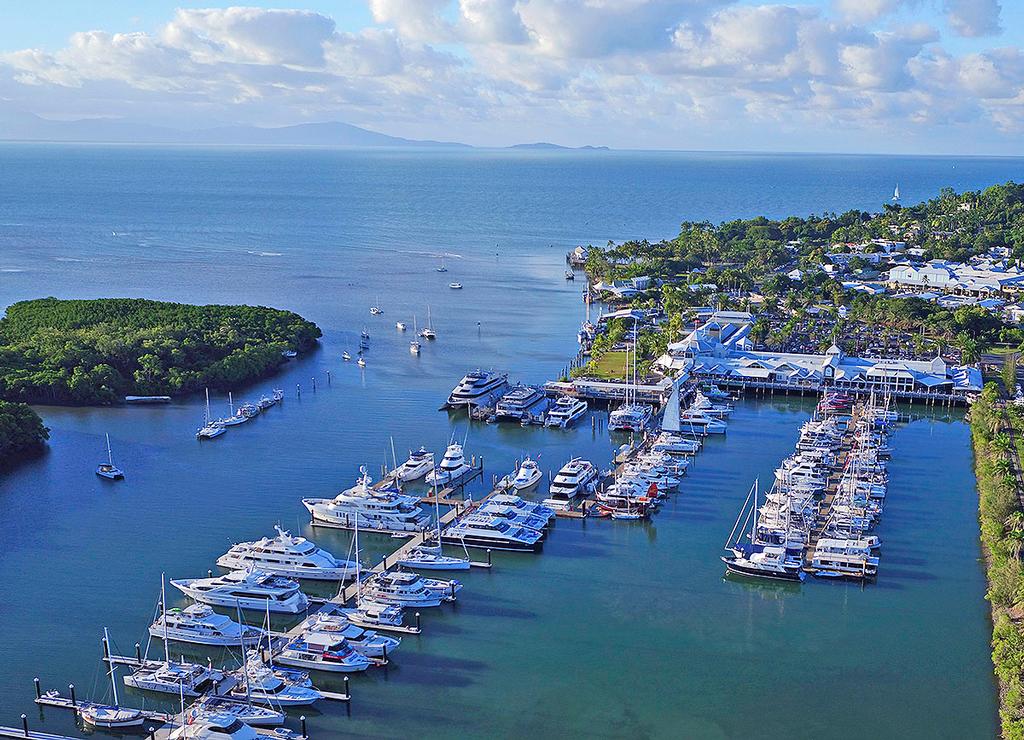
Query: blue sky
[834, 75]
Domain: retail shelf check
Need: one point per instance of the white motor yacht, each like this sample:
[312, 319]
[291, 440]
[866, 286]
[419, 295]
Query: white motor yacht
[239, 709]
[453, 467]
[698, 422]
[400, 325]
[478, 387]
[408, 589]
[323, 651]
[381, 510]
[418, 465]
[172, 677]
[364, 641]
[518, 403]
[200, 625]
[247, 590]
[576, 478]
[764, 561]
[284, 555]
[431, 557]
[213, 726]
[565, 411]
[260, 683]
[527, 476]
[374, 614]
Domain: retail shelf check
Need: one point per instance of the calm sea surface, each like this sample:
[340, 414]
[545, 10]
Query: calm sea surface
[617, 629]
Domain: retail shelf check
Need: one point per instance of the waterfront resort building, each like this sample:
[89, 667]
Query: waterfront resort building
[721, 351]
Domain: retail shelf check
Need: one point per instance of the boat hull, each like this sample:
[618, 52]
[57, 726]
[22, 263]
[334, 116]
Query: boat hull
[753, 572]
[216, 640]
[493, 544]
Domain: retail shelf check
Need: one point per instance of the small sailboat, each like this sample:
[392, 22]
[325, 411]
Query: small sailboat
[210, 429]
[233, 418]
[443, 267]
[400, 325]
[107, 469]
[346, 356]
[375, 309]
[428, 331]
[896, 194]
[361, 362]
[111, 716]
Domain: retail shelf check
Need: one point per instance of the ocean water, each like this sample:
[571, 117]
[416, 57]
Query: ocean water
[616, 629]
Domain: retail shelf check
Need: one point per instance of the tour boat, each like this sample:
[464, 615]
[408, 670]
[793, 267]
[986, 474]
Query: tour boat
[491, 532]
[453, 467]
[513, 516]
[284, 555]
[527, 476]
[382, 510]
[247, 589]
[110, 716]
[565, 411]
[108, 469]
[524, 506]
[418, 465]
[200, 625]
[478, 387]
[630, 417]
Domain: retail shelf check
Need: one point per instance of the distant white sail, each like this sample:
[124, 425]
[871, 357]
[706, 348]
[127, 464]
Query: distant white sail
[896, 193]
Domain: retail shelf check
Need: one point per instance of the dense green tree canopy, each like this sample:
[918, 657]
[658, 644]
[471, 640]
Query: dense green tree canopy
[96, 351]
[21, 432]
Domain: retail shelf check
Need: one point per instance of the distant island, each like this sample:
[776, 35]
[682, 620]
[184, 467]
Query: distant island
[96, 351]
[15, 126]
[549, 145]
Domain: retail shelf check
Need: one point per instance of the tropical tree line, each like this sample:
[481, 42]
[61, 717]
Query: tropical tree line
[22, 433]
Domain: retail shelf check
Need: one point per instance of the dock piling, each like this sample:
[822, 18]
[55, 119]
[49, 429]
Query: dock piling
[71, 688]
[328, 377]
[152, 733]
[313, 381]
[39, 691]
[418, 622]
[348, 689]
[138, 652]
[209, 573]
[24, 724]
[488, 557]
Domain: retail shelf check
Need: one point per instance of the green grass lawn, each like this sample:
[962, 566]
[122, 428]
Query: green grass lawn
[611, 366]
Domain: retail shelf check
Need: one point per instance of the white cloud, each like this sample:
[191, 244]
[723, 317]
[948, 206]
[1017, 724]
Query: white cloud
[973, 17]
[643, 70]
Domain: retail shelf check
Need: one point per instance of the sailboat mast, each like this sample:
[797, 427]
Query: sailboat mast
[241, 642]
[113, 665]
[437, 505]
[753, 519]
[110, 456]
[163, 615]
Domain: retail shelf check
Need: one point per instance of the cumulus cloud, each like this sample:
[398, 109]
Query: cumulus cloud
[647, 67]
[973, 17]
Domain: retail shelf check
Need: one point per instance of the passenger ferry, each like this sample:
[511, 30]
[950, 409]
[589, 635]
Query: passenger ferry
[491, 532]
[565, 412]
[576, 478]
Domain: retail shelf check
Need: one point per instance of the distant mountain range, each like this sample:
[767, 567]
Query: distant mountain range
[30, 127]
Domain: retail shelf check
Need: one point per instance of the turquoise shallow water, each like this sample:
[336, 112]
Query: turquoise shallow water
[617, 629]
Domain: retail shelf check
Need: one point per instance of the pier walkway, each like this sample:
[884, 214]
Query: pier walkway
[825, 510]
